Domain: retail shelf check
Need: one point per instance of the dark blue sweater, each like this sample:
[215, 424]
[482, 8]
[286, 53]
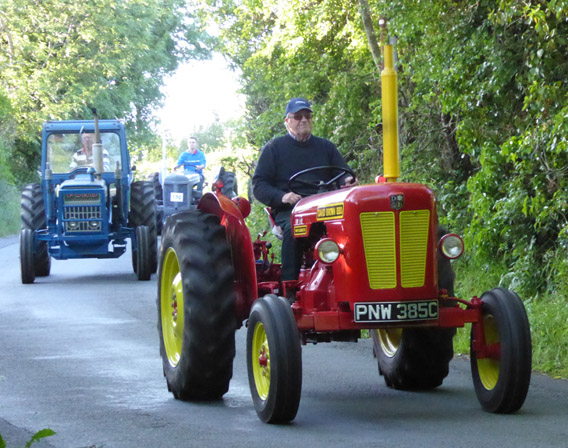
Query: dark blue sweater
[282, 157]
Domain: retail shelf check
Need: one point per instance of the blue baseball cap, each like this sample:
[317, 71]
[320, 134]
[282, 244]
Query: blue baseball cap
[296, 104]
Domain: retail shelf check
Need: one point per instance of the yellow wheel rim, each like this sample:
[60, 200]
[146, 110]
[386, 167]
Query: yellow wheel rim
[171, 306]
[489, 368]
[261, 361]
[390, 340]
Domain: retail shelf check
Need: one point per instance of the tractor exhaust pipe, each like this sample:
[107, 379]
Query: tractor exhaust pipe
[97, 148]
[391, 159]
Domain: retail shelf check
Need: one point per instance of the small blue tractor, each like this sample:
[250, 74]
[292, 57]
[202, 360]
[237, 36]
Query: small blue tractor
[87, 204]
[178, 192]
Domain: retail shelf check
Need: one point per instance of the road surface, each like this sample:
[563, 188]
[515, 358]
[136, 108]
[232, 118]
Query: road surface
[79, 355]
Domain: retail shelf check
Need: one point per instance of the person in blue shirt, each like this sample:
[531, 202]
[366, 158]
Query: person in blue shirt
[192, 159]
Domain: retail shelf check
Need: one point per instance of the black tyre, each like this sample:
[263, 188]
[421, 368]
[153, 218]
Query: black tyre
[230, 187]
[158, 197]
[502, 378]
[196, 306]
[274, 360]
[143, 260]
[32, 213]
[27, 256]
[414, 358]
[143, 213]
[417, 358]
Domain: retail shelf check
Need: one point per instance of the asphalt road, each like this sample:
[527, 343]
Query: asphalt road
[79, 354]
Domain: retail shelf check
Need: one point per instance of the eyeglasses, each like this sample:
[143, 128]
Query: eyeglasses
[302, 114]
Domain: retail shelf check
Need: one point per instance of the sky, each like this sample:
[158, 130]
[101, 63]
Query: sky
[195, 93]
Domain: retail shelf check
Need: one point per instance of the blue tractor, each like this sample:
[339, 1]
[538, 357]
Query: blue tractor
[87, 205]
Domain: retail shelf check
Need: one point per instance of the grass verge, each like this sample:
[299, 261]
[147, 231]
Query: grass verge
[548, 316]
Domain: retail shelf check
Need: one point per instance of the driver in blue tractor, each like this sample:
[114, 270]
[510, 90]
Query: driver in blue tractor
[84, 156]
[283, 157]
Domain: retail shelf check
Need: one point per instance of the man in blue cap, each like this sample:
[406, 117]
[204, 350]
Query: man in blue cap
[283, 157]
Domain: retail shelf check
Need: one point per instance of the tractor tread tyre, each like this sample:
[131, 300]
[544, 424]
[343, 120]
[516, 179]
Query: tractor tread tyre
[158, 197]
[421, 361]
[422, 356]
[195, 283]
[143, 213]
[143, 257]
[275, 388]
[27, 256]
[506, 390]
[32, 214]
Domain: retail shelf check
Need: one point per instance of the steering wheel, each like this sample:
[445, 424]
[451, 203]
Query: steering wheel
[78, 170]
[302, 179]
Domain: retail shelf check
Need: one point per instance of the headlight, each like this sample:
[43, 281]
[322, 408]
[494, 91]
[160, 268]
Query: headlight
[451, 246]
[327, 251]
[94, 224]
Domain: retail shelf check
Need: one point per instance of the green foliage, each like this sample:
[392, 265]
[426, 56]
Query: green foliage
[35, 438]
[10, 206]
[59, 58]
[483, 109]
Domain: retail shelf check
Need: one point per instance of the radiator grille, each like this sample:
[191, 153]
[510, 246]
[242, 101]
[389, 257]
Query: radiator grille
[413, 247]
[82, 218]
[380, 245]
[380, 248]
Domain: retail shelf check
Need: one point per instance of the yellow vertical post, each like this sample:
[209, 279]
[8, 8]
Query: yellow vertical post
[390, 117]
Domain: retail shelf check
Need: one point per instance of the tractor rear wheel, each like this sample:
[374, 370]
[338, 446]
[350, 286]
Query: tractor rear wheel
[417, 358]
[27, 256]
[274, 360]
[32, 214]
[196, 306]
[143, 213]
[413, 358]
[143, 258]
[502, 377]
[158, 197]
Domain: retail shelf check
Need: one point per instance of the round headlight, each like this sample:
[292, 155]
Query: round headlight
[451, 246]
[327, 251]
[94, 224]
[73, 224]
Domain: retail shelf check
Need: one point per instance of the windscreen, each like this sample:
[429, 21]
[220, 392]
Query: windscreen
[67, 152]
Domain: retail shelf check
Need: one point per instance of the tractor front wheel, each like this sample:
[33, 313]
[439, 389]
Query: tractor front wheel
[33, 217]
[143, 257]
[27, 256]
[502, 375]
[143, 213]
[274, 360]
[196, 306]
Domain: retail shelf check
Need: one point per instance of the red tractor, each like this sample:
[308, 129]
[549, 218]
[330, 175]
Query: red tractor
[374, 259]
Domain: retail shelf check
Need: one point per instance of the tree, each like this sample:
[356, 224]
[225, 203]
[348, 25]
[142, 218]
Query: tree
[60, 57]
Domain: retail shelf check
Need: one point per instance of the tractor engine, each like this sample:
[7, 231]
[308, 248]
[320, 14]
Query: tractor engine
[375, 243]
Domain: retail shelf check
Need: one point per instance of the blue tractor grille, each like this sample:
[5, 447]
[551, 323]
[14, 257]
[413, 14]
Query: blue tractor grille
[81, 218]
[82, 212]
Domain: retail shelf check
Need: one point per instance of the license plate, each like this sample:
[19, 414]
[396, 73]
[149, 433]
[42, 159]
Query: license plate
[176, 197]
[377, 312]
